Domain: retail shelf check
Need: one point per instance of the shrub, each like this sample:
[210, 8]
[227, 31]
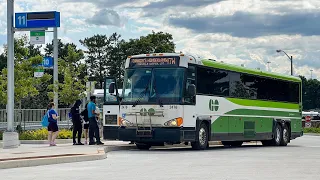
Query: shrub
[42, 134]
[311, 130]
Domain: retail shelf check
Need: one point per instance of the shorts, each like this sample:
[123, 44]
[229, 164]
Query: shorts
[86, 126]
[53, 127]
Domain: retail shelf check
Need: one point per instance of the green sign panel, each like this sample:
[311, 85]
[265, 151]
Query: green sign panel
[37, 37]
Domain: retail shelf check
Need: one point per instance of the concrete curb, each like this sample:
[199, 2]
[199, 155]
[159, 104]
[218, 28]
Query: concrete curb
[102, 154]
[311, 134]
[58, 141]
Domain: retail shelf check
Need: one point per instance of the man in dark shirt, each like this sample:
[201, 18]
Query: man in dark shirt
[77, 124]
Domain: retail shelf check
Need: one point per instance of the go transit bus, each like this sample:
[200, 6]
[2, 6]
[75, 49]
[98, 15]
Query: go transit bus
[173, 98]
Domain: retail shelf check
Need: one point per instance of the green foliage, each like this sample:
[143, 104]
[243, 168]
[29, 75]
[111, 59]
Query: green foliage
[42, 134]
[98, 47]
[72, 87]
[24, 81]
[311, 130]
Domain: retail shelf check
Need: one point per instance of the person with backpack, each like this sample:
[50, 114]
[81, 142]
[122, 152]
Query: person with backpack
[77, 124]
[84, 114]
[53, 124]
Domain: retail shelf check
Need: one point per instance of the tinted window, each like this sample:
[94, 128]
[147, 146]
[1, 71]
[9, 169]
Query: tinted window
[254, 87]
[212, 82]
[242, 86]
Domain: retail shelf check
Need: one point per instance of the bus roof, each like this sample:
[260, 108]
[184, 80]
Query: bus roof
[226, 66]
[221, 65]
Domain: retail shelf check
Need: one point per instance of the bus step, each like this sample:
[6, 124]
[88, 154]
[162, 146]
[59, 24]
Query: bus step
[144, 133]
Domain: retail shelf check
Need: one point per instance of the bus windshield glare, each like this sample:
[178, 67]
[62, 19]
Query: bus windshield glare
[153, 85]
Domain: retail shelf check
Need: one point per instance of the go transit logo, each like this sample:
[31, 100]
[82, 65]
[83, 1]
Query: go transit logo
[213, 105]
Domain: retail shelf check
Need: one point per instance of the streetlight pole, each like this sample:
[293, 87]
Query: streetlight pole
[10, 138]
[268, 65]
[311, 73]
[290, 58]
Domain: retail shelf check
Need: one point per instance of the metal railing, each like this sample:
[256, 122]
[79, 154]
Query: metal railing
[30, 119]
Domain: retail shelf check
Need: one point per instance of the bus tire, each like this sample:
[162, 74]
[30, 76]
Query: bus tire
[143, 146]
[203, 136]
[285, 135]
[277, 135]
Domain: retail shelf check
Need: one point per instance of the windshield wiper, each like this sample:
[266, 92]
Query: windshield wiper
[157, 95]
[142, 94]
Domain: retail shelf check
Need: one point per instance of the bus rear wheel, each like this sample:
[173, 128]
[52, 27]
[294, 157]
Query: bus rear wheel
[278, 135]
[202, 142]
[285, 136]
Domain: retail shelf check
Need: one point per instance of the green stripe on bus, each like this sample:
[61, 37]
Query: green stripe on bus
[251, 112]
[267, 104]
[240, 69]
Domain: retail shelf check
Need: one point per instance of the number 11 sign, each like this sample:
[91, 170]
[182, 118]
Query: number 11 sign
[37, 19]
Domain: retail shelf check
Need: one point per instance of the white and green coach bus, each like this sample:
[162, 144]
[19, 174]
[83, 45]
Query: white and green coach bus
[173, 98]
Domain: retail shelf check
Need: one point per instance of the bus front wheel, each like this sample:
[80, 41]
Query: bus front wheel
[203, 136]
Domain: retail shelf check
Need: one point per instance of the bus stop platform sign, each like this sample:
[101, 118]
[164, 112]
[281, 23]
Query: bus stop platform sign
[37, 19]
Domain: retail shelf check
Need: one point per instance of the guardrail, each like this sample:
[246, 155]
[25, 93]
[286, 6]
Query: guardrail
[29, 119]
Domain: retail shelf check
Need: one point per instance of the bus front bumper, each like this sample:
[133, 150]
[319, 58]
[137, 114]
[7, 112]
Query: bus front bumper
[156, 135]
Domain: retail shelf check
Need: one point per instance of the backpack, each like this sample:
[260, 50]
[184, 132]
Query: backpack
[45, 121]
[84, 113]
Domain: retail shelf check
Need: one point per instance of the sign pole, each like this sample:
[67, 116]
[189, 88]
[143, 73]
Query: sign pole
[55, 64]
[10, 138]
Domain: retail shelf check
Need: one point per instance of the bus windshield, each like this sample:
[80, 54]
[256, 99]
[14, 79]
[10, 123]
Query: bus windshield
[153, 85]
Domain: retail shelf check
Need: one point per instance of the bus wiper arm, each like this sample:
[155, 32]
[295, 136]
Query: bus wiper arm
[142, 94]
[157, 95]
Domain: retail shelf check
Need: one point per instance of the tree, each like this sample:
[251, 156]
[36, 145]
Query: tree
[152, 43]
[24, 81]
[98, 47]
[25, 65]
[73, 87]
[116, 58]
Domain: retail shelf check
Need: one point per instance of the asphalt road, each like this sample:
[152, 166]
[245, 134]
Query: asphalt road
[299, 160]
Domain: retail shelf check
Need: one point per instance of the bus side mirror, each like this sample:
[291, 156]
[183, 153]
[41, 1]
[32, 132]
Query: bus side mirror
[191, 90]
[111, 88]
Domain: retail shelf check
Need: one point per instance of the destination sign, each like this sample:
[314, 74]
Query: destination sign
[154, 61]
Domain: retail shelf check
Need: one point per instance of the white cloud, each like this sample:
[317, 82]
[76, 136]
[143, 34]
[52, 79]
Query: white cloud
[131, 19]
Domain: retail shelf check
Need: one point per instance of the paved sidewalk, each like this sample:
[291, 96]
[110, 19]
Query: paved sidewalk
[42, 154]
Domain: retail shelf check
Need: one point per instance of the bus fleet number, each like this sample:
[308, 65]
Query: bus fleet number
[173, 107]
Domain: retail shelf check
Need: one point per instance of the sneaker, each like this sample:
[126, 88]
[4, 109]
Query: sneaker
[79, 143]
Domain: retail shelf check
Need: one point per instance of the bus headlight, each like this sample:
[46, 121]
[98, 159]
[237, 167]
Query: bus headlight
[124, 122]
[174, 122]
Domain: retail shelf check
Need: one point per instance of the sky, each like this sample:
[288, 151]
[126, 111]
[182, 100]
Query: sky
[238, 32]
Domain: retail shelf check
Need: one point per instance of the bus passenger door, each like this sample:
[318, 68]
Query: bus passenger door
[110, 109]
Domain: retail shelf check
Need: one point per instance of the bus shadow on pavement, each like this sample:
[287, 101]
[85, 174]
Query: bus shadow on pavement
[215, 148]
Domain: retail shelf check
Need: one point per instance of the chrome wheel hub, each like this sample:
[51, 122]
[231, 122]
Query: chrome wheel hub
[202, 136]
[285, 135]
[278, 135]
